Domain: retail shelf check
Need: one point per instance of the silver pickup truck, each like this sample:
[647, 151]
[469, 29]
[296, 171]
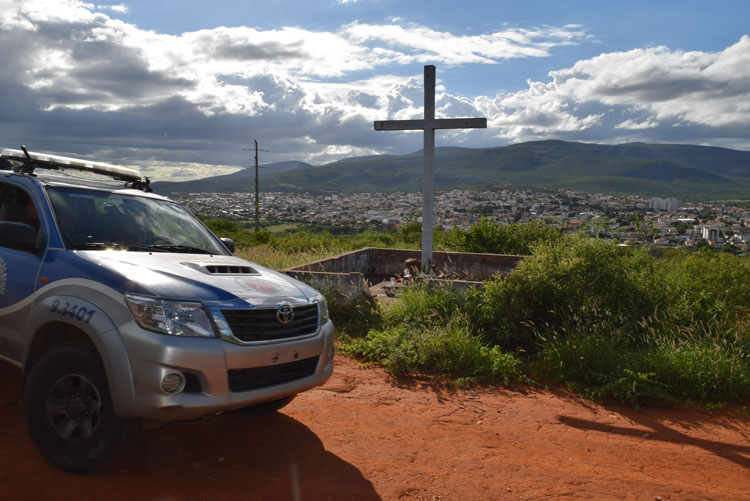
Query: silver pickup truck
[122, 308]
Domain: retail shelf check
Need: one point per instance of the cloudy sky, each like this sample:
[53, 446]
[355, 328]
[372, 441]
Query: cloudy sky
[180, 88]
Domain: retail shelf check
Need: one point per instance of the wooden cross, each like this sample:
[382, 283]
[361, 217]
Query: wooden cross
[428, 125]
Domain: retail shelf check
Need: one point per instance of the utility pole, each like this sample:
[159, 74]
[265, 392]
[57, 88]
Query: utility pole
[257, 202]
[257, 194]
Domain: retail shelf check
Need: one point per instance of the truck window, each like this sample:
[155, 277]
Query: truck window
[92, 219]
[16, 206]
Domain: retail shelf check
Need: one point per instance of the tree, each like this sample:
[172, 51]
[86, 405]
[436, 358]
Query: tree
[681, 227]
[702, 244]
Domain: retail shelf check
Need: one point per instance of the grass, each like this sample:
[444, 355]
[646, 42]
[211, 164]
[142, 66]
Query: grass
[276, 259]
[281, 228]
[605, 321]
[609, 322]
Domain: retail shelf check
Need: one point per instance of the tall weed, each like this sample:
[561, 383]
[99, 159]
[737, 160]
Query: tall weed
[421, 305]
[658, 364]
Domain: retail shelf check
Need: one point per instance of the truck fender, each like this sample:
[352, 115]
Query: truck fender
[97, 325]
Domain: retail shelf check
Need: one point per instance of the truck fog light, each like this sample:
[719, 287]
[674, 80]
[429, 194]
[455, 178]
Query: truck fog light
[332, 354]
[173, 383]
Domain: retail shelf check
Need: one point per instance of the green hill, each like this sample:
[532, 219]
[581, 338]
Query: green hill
[671, 170]
[242, 180]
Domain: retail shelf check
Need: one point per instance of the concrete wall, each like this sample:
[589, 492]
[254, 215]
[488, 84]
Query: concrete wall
[356, 261]
[348, 285]
[375, 261]
[461, 265]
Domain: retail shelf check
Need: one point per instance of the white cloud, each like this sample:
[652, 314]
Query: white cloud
[333, 152]
[423, 44]
[133, 67]
[182, 171]
[119, 8]
[642, 94]
[692, 87]
[632, 124]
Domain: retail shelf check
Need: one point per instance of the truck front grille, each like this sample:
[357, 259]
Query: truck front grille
[262, 324]
[263, 377]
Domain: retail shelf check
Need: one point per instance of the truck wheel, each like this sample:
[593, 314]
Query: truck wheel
[68, 411]
[267, 407]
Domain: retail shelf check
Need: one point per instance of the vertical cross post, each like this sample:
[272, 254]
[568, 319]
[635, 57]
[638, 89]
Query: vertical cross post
[428, 125]
[257, 201]
[428, 176]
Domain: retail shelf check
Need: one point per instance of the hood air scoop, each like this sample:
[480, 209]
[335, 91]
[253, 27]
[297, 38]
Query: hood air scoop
[220, 269]
[223, 269]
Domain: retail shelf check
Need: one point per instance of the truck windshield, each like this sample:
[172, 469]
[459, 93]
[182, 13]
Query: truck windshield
[93, 220]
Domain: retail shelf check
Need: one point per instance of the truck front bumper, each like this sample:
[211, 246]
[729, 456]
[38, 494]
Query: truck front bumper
[212, 375]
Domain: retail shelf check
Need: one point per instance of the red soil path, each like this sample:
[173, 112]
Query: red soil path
[365, 436]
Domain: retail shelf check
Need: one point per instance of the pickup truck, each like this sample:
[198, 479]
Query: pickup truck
[122, 309]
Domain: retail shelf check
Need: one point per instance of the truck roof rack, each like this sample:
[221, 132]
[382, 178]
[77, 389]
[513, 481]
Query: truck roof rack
[25, 162]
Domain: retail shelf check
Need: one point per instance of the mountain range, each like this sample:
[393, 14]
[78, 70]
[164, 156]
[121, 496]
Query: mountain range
[688, 172]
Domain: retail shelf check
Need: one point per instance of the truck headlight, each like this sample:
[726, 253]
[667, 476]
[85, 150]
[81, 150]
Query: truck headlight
[323, 308]
[176, 318]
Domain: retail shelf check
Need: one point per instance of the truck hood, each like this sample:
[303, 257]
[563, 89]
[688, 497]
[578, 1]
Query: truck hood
[198, 276]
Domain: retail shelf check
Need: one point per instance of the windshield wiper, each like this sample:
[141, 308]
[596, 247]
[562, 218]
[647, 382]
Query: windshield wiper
[172, 248]
[96, 246]
[140, 248]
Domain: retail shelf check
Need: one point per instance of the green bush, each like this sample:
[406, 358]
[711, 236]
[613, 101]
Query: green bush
[582, 357]
[410, 233]
[237, 232]
[490, 236]
[707, 285]
[705, 361]
[626, 324]
[353, 316]
[590, 280]
[638, 388]
[429, 331]
[442, 349]
[616, 322]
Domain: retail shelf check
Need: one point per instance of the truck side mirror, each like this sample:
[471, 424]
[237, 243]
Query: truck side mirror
[228, 243]
[19, 236]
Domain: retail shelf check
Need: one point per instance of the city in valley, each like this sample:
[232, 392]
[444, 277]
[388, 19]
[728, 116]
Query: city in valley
[628, 219]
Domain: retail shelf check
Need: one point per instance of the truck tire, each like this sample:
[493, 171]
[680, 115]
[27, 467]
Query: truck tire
[267, 407]
[68, 410]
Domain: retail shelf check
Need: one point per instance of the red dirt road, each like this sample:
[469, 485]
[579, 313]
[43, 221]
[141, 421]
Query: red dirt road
[364, 436]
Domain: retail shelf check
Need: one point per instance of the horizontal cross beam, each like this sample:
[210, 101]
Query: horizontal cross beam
[442, 123]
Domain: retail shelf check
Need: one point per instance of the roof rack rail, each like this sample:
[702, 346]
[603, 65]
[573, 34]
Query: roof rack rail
[25, 162]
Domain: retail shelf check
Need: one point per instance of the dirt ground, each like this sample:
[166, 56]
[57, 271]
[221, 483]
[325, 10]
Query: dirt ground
[366, 436]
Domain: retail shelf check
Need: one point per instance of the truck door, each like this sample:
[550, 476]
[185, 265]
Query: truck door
[20, 261]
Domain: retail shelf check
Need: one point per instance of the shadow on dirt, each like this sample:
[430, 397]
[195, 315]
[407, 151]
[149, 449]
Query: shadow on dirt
[247, 457]
[231, 456]
[651, 428]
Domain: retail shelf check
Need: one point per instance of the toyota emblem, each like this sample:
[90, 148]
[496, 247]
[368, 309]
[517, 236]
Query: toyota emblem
[285, 313]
